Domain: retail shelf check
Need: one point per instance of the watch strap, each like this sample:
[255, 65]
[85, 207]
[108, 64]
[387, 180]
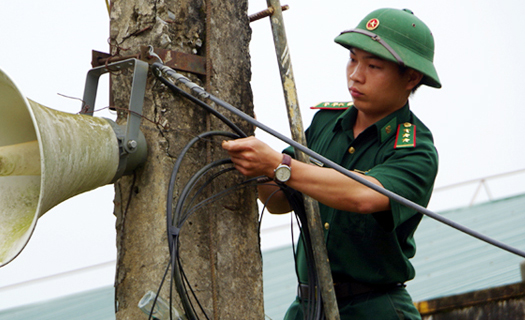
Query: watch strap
[287, 160]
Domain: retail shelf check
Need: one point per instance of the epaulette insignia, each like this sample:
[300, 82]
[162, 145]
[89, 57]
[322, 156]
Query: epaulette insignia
[333, 105]
[406, 136]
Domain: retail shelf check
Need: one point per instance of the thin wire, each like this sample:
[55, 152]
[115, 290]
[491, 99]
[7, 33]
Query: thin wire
[158, 291]
[315, 308]
[179, 216]
[176, 166]
[193, 180]
[182, 283]
[124, 214]
[312, 310]
[176, 218]
[219, 195]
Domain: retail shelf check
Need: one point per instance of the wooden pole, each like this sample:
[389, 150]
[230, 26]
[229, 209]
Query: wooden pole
[315, 226]
[219, 244]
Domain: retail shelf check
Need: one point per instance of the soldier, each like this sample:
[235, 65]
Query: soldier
[369, 238]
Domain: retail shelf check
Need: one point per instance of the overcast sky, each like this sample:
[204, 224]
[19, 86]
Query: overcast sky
[476, 117]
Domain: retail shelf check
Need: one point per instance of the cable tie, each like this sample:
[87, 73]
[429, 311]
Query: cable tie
[264, 179]
[174, 231]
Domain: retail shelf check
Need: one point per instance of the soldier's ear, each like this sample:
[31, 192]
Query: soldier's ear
[414, 78]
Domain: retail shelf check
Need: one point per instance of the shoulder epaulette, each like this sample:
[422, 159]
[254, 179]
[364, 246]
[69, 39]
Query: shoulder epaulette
[406, 135]
[333, 105]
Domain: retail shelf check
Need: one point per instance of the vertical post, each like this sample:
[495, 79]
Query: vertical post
[322, 263]
[219, 246]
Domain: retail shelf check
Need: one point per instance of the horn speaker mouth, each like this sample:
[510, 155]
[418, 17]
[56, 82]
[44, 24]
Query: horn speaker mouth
[71, 154]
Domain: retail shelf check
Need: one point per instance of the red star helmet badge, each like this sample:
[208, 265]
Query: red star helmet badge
[372, 24]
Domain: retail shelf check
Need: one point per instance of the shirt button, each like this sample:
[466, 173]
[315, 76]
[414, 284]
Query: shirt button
[351, 150]
[326, 225]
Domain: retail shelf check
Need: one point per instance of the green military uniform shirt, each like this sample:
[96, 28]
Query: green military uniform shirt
[399, 152]
[373, 248]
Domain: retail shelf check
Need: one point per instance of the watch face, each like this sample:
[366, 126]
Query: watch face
[282, 174]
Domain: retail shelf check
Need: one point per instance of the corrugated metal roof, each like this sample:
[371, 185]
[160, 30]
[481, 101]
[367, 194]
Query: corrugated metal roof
[280, 285]
[450, 262]
[279, 281]
[447, 262]
[95, 304]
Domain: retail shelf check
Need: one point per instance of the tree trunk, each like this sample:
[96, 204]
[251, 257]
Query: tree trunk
[219, 244]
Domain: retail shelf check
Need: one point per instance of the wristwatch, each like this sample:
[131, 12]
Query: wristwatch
[283, 172]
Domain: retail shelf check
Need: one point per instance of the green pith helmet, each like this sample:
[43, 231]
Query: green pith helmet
[398, 36]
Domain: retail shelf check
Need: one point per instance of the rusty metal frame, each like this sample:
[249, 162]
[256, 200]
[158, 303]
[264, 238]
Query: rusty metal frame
[176, 60]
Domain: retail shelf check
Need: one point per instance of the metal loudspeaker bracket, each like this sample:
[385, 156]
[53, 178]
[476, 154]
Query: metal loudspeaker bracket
[136, 101]
[132, 140]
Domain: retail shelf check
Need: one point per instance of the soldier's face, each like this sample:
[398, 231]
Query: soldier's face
[377, 86]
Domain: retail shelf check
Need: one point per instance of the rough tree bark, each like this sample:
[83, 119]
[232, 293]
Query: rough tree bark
[220, 244]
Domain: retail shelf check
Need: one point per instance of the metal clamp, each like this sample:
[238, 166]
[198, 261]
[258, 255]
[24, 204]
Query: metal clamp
[132, 143]
[136, 101]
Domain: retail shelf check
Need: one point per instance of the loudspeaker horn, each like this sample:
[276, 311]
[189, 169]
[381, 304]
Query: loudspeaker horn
[48, 156]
